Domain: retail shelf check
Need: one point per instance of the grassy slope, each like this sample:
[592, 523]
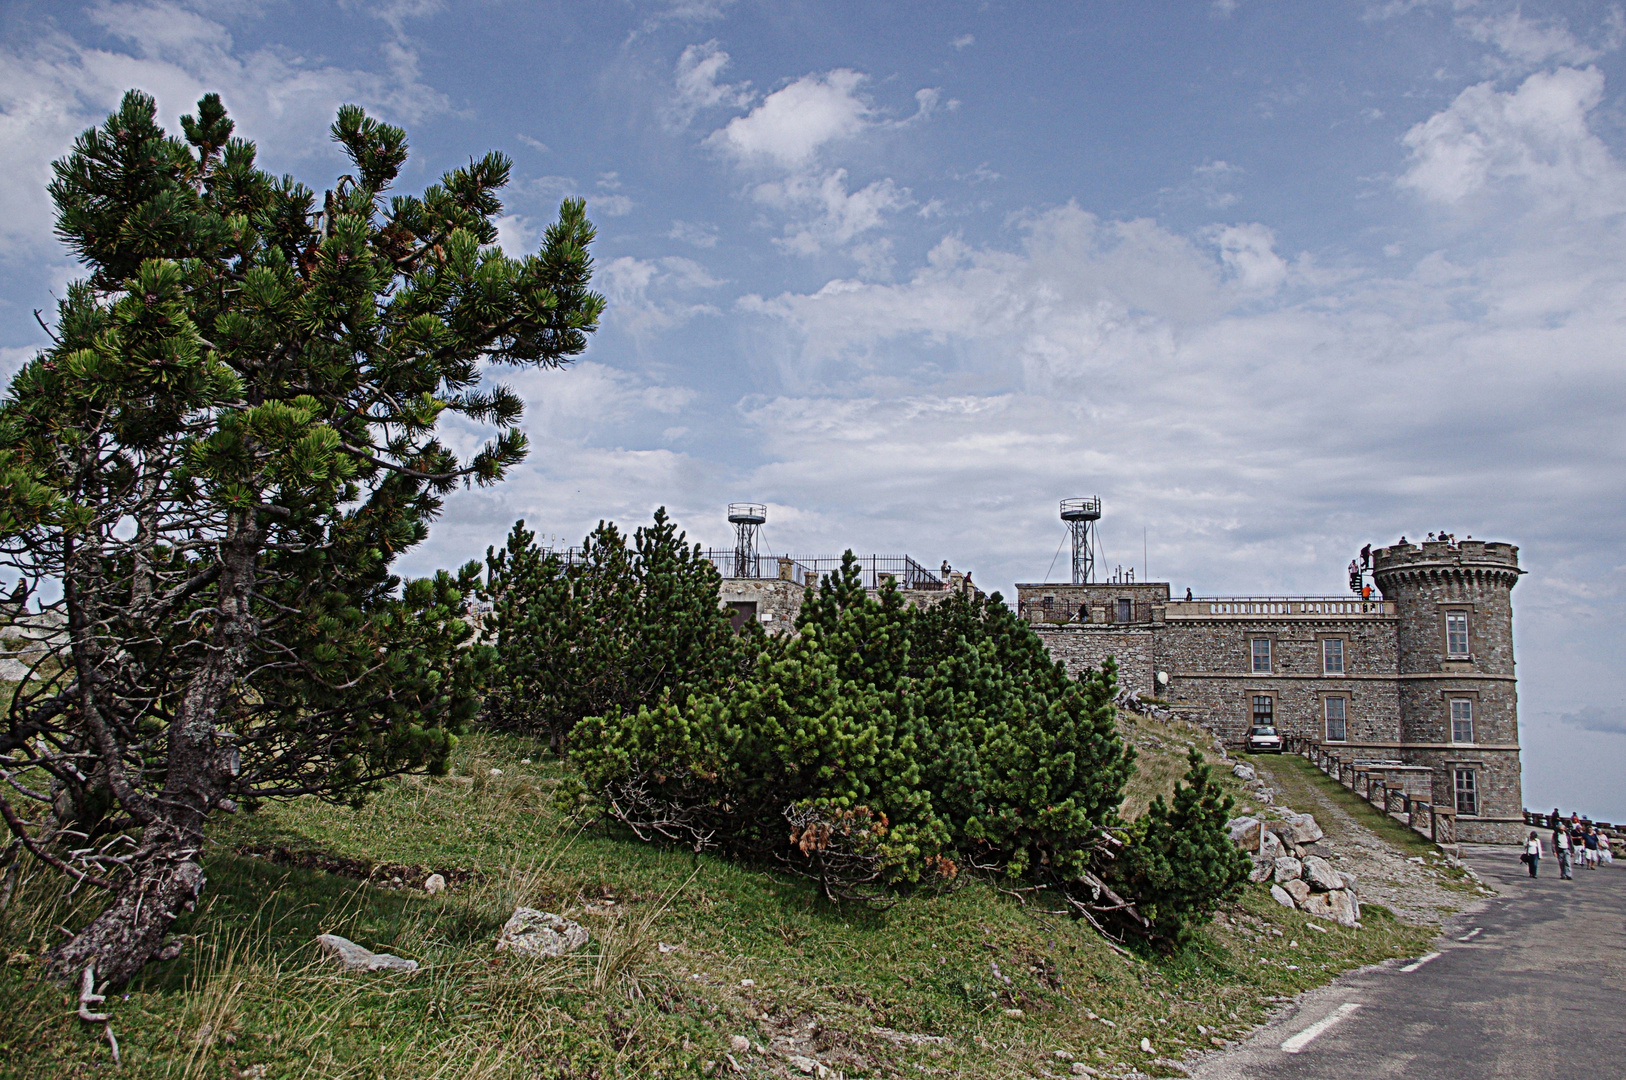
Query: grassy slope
[249, 998]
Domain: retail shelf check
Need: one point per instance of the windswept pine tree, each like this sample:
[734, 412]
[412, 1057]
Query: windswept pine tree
[231, 438]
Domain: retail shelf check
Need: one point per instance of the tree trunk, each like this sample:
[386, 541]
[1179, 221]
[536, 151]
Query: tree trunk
[120, 941]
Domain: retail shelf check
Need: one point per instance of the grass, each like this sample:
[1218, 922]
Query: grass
[1294, 778]
[687, 954]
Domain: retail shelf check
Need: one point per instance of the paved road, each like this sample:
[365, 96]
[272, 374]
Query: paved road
[1530, 985]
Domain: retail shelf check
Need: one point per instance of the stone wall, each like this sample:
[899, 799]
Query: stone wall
[1080, 647]
[1209, 664]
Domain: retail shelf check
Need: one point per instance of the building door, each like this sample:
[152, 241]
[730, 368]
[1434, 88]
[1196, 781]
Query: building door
[741, 612]
[1126, 611]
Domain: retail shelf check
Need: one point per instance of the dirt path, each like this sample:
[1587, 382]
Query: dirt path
[1416, 884]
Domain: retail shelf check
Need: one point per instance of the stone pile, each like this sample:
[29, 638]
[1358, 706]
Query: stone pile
[1291, 854]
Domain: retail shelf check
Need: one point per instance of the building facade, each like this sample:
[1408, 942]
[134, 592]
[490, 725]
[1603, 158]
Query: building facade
[1421, 676]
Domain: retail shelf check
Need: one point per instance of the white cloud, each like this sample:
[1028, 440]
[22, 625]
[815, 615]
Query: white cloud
[789, 133]
[1248, 251]
[838, 214]
[1528, 43]
[52, 87]
[696, 234]
[964, 41]
[517, 235]
[792, 123]
[696, 85]
[1534, 140]
[650, 295]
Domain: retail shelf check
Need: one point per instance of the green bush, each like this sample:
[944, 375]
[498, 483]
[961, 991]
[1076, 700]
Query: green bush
[879, 747]
[611, 627]
[1179, 862]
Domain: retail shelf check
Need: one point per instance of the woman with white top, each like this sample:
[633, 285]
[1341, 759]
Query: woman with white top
[1532, 852]
[1604, 853]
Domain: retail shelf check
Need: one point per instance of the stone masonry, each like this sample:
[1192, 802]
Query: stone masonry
[1421, 677]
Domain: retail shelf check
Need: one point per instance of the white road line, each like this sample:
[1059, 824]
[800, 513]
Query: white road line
[1470, 935]
[1420, 961]
[1298, 1042]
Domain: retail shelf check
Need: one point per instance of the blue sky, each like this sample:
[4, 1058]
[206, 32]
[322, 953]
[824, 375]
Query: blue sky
[1273, 279]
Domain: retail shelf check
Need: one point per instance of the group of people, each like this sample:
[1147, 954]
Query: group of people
[1574, 841]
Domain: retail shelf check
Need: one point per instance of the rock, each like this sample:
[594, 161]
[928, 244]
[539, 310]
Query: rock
[1298, 889]
[1244, 832]
[529, 932]
[1281, 896]
[1081, 1069]
[1305, 830]
[1146, 1046]
[1262, 871]
[356, 958]
[434, 884]
[1061, 1055]
[1243, 771]
[739, 1044]
[1288, 869]
[1272, 847]
[1320, 874]
[1336, 906]
[1015, 1014]
[806, 1064]
[1351, 882]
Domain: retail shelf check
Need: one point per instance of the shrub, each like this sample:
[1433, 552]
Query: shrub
[879, 747]
[609, 627]
[1179, 862]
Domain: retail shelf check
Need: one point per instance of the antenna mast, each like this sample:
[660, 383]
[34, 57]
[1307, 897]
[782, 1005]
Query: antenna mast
[1081, 516]
[748, 519]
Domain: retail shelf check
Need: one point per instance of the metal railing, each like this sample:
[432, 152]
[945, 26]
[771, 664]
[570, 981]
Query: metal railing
[1364, 779]
[1279, 607]
[1060, 610]
[1539, 820]
[873, 569]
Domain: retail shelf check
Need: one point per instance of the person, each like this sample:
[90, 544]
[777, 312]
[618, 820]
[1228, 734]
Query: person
[1562, 849]
[1188, 592]
[1552, 821]
[1590, 839]
[1402, 541]
[1605, 854]
[1532, 852]
[1366, 557]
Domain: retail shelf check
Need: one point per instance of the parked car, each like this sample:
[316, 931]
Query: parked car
[1264, 740]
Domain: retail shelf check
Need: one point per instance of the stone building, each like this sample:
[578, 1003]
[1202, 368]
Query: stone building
[771, 587]
[1420, 677]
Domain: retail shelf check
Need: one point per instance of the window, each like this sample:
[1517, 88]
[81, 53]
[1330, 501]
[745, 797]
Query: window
[1332, 656]
[1261, 656]
[1462, 720]
[1456, 633]
[1467, 792]
[1126, 611]
[1264, 710]
[1336, 712]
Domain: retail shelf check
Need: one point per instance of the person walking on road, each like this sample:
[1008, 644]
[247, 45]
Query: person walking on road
[1562, 849]
[1591, 842]
[1532, 852]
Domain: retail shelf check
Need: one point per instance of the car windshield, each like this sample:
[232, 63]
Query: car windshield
[1264, 731]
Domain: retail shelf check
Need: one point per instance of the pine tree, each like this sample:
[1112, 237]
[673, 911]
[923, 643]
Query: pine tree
[610, 627]
[1180, 864]
[228, 443]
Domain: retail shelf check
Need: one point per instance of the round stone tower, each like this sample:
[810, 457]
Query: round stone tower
[1458, 699]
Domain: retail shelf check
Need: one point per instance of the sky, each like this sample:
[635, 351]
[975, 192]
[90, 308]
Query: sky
[1273, 279]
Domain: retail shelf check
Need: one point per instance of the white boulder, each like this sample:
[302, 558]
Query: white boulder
[529, 932]
[356, 958]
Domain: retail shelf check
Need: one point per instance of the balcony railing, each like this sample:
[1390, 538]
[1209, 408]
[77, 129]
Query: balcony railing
[1279, 607]
[873, 569]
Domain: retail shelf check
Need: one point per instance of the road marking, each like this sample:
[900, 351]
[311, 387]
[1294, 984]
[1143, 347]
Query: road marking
[1420, 961]
[1298, 1042]
[1470, 935]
